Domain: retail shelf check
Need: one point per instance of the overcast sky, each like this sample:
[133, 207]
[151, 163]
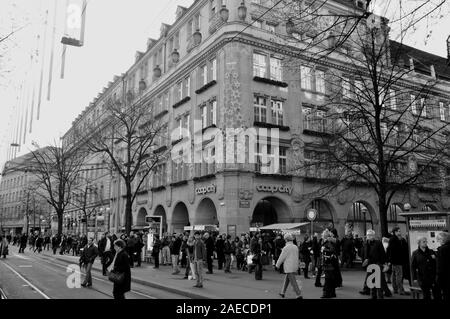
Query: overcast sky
[115, 30]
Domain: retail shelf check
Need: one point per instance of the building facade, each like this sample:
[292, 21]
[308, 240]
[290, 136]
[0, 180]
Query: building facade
[21, 209]
[222, 67]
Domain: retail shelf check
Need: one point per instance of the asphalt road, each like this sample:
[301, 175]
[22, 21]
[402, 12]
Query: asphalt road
[34, 276]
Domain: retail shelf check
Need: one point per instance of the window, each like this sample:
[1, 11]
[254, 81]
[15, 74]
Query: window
[393, 101]
[277, 112]
[203, 75]
[346, 88]
[383, 130]
[306, 77]
[275, 69]
[423, 107]
[413, 104]
[320, 81]
[204, 115]
[442, 111]
[260, 108]
[208, 113]
[214, 112]
[179, 92]
[259, 65]
[314, 120]
[187, 86]
[271, 159]
[214, 69]
[213, 8]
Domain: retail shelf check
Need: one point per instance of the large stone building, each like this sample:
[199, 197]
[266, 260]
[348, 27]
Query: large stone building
[225, 67]
[19, 203]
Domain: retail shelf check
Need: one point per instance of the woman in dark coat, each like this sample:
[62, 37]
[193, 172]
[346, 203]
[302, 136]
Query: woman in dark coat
[121, 264]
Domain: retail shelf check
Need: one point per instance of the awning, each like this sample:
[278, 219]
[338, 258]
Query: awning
[283, 226]
[432, 223]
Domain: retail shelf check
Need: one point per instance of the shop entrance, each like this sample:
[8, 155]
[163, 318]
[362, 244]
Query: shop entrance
[270, 210]
[206, 213]
[160, 211]
[180, 218]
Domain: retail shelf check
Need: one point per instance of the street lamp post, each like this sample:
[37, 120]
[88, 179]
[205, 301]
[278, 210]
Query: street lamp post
[311, 215]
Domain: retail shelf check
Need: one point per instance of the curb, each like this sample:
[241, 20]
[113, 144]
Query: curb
[154, 285]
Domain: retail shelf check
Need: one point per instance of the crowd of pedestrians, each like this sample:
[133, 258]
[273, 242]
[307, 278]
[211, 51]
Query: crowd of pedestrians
[322, 256]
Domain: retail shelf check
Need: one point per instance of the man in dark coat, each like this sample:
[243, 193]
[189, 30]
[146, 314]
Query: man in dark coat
[156, 249]
[374, 253]
[55, 243]
[23, 243]
[131, 248]
[105, 252]
[443, 265]
[138, 248]
[396, 258]
[423, 264]
[348, 251]
[122, 266]
[209, 243]
[337, 268]
[90, 252]
[278, 247]
[228, 250]
[220, 243]
[329, 261]
[175, 248]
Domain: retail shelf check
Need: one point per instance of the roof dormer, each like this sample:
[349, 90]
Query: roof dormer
[180, 12]
[164, 29]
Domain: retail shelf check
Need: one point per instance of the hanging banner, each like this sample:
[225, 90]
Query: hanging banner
[75, 23]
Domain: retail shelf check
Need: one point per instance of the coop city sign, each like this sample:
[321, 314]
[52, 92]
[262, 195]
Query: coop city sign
[205, 190]
[274, 189]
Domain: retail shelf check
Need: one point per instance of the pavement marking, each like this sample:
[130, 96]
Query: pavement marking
[2, 294]
[25, 266]
[26, 258]
[99, 279]
[29, 283]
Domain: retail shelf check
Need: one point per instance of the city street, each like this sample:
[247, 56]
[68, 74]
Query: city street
[33, 276]
[39, 276]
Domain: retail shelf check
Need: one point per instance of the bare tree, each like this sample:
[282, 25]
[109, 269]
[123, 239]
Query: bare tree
[130, 140]
[380, 124]
[56, 169]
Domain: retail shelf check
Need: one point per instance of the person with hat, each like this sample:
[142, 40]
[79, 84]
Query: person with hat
[289, 259]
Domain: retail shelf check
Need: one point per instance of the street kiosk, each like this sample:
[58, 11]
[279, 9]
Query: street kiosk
[424, 224]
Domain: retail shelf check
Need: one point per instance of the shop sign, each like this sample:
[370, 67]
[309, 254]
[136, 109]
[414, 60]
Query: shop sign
[205, 189]
[428, 223]
[274, 189]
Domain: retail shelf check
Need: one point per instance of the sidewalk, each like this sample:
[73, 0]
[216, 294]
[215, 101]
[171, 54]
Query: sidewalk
[237, 285]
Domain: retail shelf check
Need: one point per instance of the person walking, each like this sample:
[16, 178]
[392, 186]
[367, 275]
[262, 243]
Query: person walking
[288, 258]
[329, 262]
[105, 252]
[220, 247]
[239, 251]
[138, 249]
[348, 251]
[63, 244]
[47, 242]
[90, 252]
[374, 253]
[55, 244]
[209, 243]
[23, 243]
[305, 255]
[337, 268]
[39, 243]
[165, 251]
[279, 244]
[423, 264]
[121, 266]
[443, 265]
[200, 256]
[388, 273]
[189, 252]
[175, 248]
[156, 250]
[228, 250]
[3, 247]
[395, 257]
[131, 248]
[315, 248]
